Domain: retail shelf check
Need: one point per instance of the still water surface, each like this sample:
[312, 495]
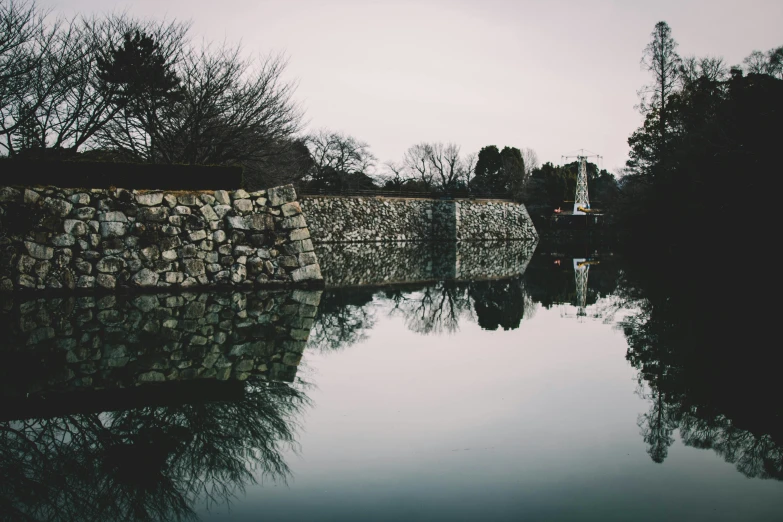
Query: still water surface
[582, 388]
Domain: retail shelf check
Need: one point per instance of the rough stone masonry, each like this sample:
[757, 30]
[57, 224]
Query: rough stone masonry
[55, 238]
[364, 219]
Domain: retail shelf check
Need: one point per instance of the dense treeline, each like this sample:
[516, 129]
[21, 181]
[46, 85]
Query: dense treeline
[703, 163]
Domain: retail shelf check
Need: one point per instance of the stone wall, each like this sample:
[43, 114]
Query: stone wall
[350, 264]
[356, 219]
[52, 238]
[69, 343]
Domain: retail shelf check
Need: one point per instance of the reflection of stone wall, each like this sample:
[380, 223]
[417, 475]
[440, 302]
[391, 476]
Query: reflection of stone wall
[72, 343]
[339, 219]
[348, 264]
[100, 238]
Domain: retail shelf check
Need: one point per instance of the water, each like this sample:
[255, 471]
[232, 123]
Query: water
[569, 384]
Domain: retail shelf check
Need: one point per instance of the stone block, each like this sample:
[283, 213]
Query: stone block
[281, 195]
[243, 206]
[188, 200]
[64, 240]
[79, 199]
[291, 209]
[307, 273]
[260, 222]
[39, 251]
[307, 258]
[153, 215]
[222, 197]
[110, 265]
[31, 196]
[197, 235]
[112, 216]
[145, 278]
[288, 261]
[106, 281]
[194, 267]
[75, 227]
[84, 213]
[208, 213]
[113, 229]
[149, 199]
[299, 234]
[57, 206]
[297, 221]
[221, 210]
[236, 223]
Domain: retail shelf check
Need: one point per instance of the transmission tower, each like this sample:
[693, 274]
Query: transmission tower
[581, 269]
[581, 198]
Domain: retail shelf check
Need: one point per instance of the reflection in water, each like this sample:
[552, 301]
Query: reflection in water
[667, 328]
[149, 463]
[139, 408]
[704, 367]
[346, 315]
[142, 407]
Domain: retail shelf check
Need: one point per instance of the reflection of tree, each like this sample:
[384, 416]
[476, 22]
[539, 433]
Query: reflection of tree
[500, 303]
[147, 463]
[703, 368]
[432, 309]
[345, 315]
[343, 318]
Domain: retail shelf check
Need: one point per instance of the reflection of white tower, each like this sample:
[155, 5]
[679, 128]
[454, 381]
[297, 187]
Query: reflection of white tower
[581, 269]
[581, 198]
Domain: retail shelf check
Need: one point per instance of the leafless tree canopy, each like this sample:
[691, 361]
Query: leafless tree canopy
[770, 63]
[434, 165]
[530, 157]
[64, 89]
[711, 68]
[340, 152]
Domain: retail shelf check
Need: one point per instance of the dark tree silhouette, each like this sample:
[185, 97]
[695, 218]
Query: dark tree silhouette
[146, 89]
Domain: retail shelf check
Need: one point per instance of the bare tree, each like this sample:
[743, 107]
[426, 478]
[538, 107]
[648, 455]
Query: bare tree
[24, 40]
[416, 163]
[234, 110]
[338, 157]
[71, 108]
[437, 165]
[770, 63]
[530, 157]
[711, 68]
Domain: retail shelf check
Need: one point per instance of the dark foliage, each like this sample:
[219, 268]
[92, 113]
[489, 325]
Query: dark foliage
[701, 167]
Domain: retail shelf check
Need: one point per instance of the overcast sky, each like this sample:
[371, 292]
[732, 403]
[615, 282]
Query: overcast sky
[554, 76]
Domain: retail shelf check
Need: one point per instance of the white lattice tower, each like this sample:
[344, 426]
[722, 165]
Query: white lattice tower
[581, 269]
[581, 199]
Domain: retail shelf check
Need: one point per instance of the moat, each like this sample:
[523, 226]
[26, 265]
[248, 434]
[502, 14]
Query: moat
[565, 383]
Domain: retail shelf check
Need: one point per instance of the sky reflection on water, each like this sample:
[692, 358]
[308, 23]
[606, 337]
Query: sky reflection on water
[518, 398]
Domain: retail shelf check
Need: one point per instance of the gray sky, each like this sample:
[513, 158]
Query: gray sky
[554, 76]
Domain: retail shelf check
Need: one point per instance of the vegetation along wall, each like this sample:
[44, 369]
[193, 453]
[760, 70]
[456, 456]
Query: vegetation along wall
[356, 219]
[55, 238]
